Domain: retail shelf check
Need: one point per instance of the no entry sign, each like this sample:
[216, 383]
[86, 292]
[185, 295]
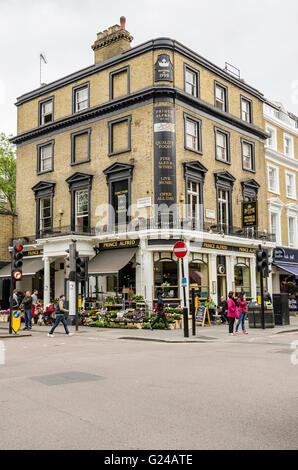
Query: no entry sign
[180, 249]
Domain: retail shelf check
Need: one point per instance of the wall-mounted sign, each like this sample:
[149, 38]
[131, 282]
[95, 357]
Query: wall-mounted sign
[119, 244]
[33, 253]
[164, 156]
[210, 214]
[144, 202]
[217, 246]
[163, 68]
[249, 214]
[285, 255]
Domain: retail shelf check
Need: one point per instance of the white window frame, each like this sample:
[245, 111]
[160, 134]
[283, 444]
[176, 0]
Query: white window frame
[287, 136]
[225, 136]
[246, 115]
[278, 225]
[221, 100]
[223, 201]
[190, 138]
[43, 159]
[289, 195]
[276, 189]
[43, 113]
[194, 85]
[78, 102]
[274, 137]
[41, 214]
[294, 242]
[82, 214]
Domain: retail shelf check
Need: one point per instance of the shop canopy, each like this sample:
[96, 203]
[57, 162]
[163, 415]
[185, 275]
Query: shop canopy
[290, 268]
[30, 268]
[110, 261]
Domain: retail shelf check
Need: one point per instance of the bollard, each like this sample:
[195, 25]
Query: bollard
[185, 322]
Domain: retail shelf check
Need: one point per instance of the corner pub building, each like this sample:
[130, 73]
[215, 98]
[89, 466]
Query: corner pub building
[154, 124]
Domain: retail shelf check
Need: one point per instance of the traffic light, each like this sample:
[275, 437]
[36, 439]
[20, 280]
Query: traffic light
[17, 260]
[71, 262]
[82, 268]
[263, 262]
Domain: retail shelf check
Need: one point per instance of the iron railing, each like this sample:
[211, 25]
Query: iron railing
[142, 224]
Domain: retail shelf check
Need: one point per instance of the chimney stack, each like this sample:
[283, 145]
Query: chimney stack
[122, 22]
[111, 42]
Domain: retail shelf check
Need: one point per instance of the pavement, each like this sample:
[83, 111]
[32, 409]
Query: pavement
[102, 389]
[140, 389]
[213, 333]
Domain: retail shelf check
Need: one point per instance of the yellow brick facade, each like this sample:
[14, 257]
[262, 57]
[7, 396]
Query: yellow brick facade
[8, 227]
[119, 123]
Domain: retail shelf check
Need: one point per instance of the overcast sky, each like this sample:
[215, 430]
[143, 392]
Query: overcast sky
[257, 36]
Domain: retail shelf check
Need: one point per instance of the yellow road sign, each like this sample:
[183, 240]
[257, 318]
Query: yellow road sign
[16, 320]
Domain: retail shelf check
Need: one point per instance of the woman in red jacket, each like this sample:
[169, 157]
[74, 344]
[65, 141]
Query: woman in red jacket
[242, 313]
[232, 312]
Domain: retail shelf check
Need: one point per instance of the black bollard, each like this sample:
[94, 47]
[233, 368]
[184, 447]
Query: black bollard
[185, 321]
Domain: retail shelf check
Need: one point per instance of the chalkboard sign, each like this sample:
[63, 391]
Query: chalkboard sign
[200, 313]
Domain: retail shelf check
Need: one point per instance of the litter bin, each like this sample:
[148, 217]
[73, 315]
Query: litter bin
[281, 309]
[255, 316]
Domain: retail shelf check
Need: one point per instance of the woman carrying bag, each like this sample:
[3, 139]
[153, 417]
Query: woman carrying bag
[242, 314]
[232, 312]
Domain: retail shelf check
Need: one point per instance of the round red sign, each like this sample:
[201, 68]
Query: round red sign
[17, 275]
[180, 249]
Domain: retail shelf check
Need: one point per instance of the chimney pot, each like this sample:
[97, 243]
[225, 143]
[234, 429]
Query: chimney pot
[122, 22]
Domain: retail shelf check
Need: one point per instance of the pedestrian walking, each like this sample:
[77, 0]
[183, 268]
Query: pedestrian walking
[15, 300]
[60, 317]
[27, 305]
[35, 302]
[160, 313]
[242, 310]
[232, 312]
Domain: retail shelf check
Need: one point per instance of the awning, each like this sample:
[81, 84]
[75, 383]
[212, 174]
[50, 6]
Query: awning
[110, 261]
[290, 268]
[30, 268]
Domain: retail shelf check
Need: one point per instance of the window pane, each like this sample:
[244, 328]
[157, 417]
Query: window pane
[82, 99]
[247, 156]
[46, 158]
[221, 146]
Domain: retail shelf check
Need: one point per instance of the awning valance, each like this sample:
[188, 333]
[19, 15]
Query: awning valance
[110, 261]
[30, 268]
[290, 268]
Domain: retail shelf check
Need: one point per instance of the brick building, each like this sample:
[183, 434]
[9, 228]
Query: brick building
[155, 124]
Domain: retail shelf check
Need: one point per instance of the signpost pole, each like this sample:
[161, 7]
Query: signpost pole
[193, 312]
[185, 309]
[180, 250]
[262, 300]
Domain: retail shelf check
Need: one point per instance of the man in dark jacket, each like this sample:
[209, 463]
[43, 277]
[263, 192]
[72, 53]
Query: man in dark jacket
[223, 310]
[60, 317]
[27, 304]
[160, 313]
